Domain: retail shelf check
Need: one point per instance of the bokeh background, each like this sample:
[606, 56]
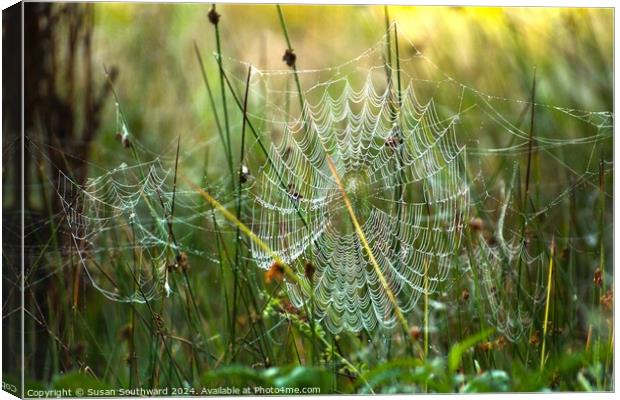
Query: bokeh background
[494, 50]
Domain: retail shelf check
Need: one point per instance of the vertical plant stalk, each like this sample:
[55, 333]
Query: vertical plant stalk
[219, 242]
[601, 178]
[212, 102]
[223, 93]
[548, 299]
[190, 291]
[527, 185]
[238, 232]
[425, 311]
[290, 48]
[397, 131]
[398, 81]
[221, 133]
[530, 144]
[388, 48]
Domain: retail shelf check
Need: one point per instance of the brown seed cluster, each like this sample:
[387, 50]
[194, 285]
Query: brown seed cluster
[213, 16]
[464, 295]
[125, 332]
[158, 320]
[500, 342]
[309, 270]
[476, 224]
[182, 261]
[289, 57]
[607, 300]
[485, 346]
[415, 332]
[275, 272]
[598, 278]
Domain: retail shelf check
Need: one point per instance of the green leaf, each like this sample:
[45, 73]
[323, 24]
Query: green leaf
[304, 377]
[456, 352]
[233, 375]
[489, 381]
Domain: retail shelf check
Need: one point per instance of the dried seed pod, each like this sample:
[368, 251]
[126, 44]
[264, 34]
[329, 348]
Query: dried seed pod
[415, 332]
[125, 332]
[465, 295]
[598, 278]
[500, 343]
[214, 17]
[289, 57]
[275, 272]
[485, 346]
[158, 320]
[182, 261]
[309, 270]
[607, 300]
[476, 224]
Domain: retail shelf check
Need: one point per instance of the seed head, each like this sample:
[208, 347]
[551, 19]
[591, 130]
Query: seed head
[485, 346]
[309, 270]
[415, 332]
[465, 295]
[125, 332]
[289, 57]
[607, 300]
[598, 278]
[182, 261]
[158, 320]
[476, 224]
[275, 272]
[214, 17]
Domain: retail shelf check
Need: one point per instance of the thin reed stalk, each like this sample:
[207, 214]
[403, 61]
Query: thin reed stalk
[547, 301]
[238, 242]
[220, 63]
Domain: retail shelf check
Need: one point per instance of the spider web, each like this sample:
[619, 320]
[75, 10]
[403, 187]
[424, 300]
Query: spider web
[382, 153]
[409, 144]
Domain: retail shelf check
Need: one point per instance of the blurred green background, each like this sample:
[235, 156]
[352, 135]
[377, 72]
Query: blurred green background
[494, 50]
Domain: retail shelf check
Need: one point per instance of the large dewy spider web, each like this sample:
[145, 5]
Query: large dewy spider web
[397, 137]
[382, 151]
